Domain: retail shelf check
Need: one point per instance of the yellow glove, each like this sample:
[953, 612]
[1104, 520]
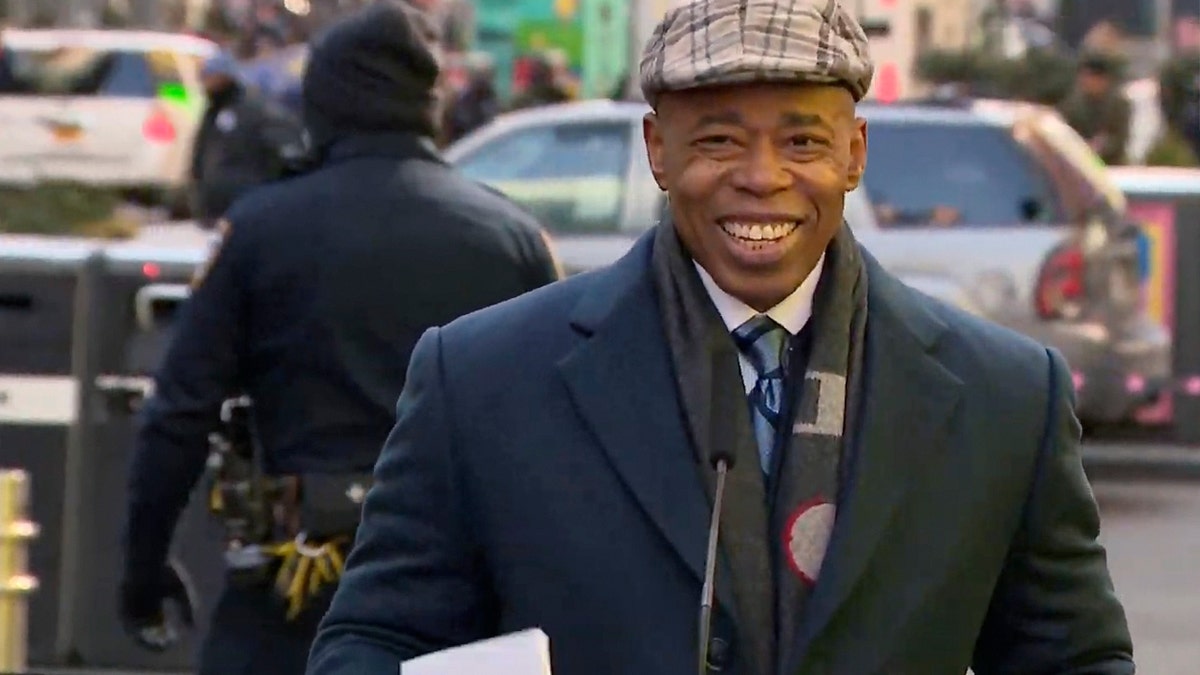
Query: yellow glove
[336, 561]
[289, 560]
[300, 581]
[322, 573]
[327, 567]
[304, 570]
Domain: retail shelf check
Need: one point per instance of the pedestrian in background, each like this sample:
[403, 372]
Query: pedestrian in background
[547, 82]
[1179, 83]
[244, 141]
[9, 82]
[1097, 108]
[477, 103]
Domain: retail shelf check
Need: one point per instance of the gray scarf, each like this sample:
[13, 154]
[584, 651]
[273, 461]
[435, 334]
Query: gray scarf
[772, 545]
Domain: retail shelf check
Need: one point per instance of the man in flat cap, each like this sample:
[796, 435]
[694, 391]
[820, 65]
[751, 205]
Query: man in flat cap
[903, 490]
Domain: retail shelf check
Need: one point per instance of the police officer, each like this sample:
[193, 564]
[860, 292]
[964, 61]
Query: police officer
[1097, 108]
[243, 141]
[311, 306]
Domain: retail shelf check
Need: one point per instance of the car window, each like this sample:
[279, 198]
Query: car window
[81, 71]
[572, 176]
[921, 174]
[164, 70]
[857, 211]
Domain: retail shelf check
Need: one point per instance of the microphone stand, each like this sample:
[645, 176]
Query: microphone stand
[721, 463]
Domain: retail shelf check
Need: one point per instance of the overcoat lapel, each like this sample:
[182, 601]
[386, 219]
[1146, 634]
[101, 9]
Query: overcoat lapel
[620, 380]
[909, 399]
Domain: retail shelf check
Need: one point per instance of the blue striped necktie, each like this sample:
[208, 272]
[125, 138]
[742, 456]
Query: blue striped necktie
[761, 341]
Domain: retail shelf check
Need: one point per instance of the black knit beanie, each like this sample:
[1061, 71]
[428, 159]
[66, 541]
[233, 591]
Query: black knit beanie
[374, 71]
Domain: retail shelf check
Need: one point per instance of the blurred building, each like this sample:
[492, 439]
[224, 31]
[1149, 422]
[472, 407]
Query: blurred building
[456, 16]
[900, 31]
[158, 14]
[592, 36]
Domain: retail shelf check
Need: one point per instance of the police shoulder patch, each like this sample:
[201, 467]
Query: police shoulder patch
[223, 228]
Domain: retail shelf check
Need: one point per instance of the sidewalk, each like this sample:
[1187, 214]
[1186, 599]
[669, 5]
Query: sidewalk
[1141, 461]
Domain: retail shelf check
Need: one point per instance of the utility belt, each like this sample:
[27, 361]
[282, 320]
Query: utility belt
[291, 532]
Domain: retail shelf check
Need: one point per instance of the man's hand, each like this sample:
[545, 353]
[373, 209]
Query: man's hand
[143, 601]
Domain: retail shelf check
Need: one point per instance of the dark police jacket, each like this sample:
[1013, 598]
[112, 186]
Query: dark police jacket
[312, 306]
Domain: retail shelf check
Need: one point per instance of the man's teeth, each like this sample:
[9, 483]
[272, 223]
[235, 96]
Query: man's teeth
[759, 231]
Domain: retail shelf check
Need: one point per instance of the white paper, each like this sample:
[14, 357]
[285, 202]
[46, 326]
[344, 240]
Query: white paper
[523, 653]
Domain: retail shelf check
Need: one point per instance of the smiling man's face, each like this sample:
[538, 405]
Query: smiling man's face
[757, 177]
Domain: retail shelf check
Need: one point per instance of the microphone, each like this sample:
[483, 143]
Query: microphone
[722, 442]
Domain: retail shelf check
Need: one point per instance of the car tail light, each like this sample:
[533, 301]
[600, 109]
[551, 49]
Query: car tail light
[1061, 285]
[158, 127]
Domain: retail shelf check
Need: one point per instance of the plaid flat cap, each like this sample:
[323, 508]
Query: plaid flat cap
[703, 43]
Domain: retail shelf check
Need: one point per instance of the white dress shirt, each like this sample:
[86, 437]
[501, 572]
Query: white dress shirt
[793, 312]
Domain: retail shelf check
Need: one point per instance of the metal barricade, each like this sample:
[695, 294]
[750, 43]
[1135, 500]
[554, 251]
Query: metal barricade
[43, 300]
[16, 584]
[134, 298]
[82, 327]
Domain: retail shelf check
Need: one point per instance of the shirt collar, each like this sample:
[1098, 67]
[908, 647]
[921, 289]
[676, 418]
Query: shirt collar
[791, 313]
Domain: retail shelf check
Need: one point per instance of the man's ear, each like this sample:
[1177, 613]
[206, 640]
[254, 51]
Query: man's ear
[654, 148]
[858, 155]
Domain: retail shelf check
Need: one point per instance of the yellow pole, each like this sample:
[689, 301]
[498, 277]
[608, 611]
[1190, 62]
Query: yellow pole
[15, 582]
